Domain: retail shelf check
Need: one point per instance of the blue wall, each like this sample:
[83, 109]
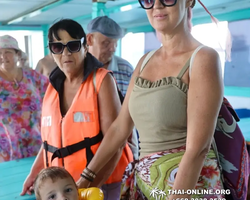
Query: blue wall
[237, 72]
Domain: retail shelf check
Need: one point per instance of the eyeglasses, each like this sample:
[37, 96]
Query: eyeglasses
[148, 4]
[72, 46]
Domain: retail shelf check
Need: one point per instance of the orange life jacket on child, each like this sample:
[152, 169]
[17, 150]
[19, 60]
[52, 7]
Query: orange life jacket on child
[72, 140]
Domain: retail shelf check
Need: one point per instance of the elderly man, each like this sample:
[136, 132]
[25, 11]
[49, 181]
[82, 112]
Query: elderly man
[102, 42]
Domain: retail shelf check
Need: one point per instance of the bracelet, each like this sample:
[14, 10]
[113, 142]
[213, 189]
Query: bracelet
[87, 175]
[87, 178]
[89, 172]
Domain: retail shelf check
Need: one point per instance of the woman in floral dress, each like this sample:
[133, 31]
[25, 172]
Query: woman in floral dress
[21, 95]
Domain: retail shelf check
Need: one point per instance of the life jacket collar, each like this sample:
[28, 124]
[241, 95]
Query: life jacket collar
[57, 77]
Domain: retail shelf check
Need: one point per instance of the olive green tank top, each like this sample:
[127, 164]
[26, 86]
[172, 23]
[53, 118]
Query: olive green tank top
[159, 111]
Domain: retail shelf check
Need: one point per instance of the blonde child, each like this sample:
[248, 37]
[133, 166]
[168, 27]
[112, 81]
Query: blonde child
[55, 183]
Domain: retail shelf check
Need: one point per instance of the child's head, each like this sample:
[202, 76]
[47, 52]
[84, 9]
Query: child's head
[55, 183]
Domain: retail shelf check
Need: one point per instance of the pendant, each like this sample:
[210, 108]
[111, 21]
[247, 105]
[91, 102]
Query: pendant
[15, 85]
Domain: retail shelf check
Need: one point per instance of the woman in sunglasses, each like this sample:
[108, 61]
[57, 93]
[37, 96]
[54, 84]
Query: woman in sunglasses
[80, 104]
[173, 99]
[21, 95]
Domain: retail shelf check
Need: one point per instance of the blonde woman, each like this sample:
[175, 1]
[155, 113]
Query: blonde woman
[173, 100]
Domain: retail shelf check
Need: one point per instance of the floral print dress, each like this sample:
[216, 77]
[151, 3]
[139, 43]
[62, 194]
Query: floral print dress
[20, 115]
[153, 176]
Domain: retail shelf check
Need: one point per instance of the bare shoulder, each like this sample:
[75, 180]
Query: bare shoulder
[206, 62]
[40, 65]
[206, 56]
[43, 61]
[107, 82]
[47, 60]
[108, 88]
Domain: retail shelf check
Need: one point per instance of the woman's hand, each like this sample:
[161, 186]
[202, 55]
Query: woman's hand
[35, 169]
[82, 183]
[28, 185]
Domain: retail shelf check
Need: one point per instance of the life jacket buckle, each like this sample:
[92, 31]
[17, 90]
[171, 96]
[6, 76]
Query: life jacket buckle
[65, 151]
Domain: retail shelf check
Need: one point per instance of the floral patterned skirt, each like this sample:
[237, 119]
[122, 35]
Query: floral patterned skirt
[153, 176]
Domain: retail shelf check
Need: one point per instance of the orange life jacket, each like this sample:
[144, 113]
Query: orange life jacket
[72, 140]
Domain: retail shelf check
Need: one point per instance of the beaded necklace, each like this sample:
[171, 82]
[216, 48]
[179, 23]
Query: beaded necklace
[12, 79]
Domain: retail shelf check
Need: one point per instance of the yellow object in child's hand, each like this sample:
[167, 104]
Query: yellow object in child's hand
[92, 193]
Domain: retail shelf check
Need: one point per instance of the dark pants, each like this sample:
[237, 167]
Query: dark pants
[111, 191]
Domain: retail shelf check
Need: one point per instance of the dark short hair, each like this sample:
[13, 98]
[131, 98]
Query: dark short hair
[73, 28]
[53, 173]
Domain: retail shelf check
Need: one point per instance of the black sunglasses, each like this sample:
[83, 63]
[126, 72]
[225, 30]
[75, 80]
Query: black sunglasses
[72, 46]
[148, 4]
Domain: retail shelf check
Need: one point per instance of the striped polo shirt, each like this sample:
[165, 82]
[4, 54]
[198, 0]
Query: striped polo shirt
[122, 71]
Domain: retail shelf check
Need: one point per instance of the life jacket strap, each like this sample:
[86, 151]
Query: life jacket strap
[45, 146]
[69, 150]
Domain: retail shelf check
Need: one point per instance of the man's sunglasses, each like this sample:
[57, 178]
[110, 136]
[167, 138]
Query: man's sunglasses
[72, 46]
[148, 4]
